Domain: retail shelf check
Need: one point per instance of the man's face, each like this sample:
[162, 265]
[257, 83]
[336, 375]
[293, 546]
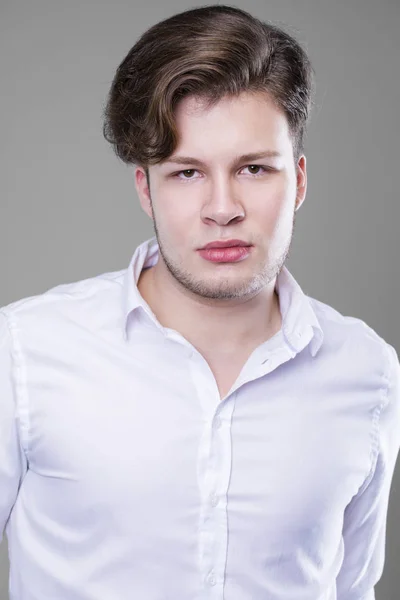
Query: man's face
[222, 197]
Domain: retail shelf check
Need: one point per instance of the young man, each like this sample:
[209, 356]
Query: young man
[195, 426]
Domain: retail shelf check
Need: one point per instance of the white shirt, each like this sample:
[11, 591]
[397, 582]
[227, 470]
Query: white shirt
[123, 475]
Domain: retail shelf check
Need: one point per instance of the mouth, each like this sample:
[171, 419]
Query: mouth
[229, 251]
[225, 244]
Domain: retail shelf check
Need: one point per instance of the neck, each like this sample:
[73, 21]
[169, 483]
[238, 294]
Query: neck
[221, 326]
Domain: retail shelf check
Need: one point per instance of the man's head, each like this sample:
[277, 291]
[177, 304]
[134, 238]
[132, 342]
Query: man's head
[213, 84]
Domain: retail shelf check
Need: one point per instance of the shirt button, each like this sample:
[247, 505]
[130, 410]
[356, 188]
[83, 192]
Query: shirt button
[211, 579]
[217, 423]
[214, 500]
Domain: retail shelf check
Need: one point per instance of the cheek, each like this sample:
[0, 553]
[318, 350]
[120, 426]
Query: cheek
[273, 207]
[175, 219]
[282, 226]
[275, 218]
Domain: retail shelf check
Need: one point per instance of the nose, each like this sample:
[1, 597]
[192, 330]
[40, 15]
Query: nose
[222, 205]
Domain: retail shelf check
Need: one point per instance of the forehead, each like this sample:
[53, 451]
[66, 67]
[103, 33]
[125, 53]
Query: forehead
[248, 121]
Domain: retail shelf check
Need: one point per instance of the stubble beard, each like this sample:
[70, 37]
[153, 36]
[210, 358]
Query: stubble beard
[224, 288]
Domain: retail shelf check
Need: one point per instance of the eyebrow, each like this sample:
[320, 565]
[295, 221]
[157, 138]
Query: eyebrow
[186, 160]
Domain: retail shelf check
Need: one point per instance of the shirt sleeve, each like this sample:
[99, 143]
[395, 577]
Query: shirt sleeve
[13, 464]
[364, 527]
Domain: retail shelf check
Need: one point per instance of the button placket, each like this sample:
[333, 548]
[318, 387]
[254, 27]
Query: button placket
[211, 579]
[214, 500]
[217, 422]
[215, 469]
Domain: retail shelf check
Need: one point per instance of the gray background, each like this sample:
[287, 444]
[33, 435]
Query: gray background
[69, 209]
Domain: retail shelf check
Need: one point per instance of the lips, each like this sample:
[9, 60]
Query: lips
[225, 244]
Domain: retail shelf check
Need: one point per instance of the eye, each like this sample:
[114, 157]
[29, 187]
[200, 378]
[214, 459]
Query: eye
[257, 174]
[186, 172]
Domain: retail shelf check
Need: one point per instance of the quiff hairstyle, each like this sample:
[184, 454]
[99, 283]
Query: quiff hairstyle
[209, 52]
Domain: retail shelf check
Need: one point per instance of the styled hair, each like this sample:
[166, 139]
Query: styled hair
[210, 53]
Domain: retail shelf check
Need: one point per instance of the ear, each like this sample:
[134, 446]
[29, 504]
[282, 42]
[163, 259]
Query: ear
[301, 181]
[143, 191]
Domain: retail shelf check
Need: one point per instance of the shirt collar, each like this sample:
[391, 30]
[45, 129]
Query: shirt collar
[300, 324]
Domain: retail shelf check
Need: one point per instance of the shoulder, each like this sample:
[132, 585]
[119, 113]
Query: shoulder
[354, 340]
[64, 300]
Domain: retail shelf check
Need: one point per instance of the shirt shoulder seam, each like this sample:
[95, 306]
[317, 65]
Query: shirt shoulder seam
[18, 376]
[375, 430]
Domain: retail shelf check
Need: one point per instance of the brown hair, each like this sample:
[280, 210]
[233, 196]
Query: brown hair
[208, 52]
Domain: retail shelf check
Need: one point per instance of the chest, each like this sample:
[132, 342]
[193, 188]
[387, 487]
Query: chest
[138, 444]
[226, 370]
[225, 378]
